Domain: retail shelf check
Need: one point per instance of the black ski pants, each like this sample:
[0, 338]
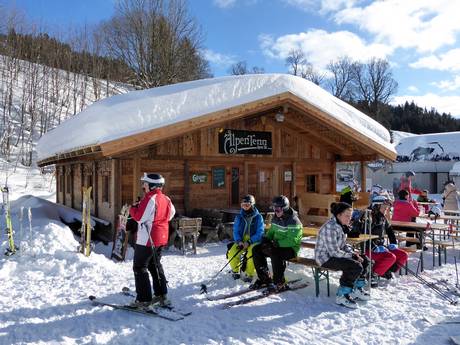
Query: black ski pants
[148, 259]
[351, 269]
[278, 256]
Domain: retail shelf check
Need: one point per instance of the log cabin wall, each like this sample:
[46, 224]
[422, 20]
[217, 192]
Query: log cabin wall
[191, 165]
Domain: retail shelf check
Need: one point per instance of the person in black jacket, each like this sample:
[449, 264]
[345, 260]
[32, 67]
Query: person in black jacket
[388, 258]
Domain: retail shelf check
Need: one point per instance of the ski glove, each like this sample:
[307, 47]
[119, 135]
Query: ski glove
[380, 249]
[392, 246]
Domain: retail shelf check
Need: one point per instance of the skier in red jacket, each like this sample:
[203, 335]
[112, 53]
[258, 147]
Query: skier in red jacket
[405, 209]
[152, 214]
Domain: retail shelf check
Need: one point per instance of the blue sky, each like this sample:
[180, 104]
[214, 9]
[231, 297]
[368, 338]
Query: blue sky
[420, 38]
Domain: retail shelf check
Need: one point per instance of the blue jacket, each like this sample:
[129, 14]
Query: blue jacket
[255, 223]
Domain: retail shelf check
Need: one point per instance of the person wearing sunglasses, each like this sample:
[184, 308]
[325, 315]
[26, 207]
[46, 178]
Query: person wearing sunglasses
[248, 229]
[280, 243]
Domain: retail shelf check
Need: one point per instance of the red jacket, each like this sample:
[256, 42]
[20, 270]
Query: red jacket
[406, 183]
[404, 211]
[153, 215]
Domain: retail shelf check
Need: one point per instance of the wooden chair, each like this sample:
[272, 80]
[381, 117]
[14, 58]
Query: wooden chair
[189, 227]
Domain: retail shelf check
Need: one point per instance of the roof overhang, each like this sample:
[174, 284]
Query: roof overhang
[141, 140]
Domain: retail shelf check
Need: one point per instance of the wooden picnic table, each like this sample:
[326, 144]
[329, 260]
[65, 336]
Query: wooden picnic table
[421, 229]
[313, 232]
[442, 217]
[451, 211]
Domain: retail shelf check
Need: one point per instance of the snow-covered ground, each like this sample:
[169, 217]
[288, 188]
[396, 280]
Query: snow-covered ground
[44, 296]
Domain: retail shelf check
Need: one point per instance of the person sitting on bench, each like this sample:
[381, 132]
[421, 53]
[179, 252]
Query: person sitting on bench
[247, 232]
[332, 251]
[388, 259]
[281, 242]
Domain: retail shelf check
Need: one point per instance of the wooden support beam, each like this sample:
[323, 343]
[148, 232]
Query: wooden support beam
[136, 176]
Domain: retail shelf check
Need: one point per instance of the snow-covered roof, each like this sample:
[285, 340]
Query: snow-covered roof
[455, 171]
[398, 135]
[139, 111]
[430, 147]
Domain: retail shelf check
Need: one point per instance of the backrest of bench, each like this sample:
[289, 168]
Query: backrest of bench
[210, 217]
[190, 224]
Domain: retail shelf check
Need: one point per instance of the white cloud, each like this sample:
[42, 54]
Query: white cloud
[448, 85]
[443, 104]
[321, 47]
[449, 61]
[224, 3]
[218, 58]
[426, 25]
[412, 88]
[323, 6]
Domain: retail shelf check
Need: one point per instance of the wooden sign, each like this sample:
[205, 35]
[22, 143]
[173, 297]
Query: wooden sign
[233, 141]
[199, 178]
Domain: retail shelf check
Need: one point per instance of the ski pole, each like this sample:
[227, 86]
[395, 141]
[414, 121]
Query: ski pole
[433, 287]
[21, 234]
[204, 288]
[456, 271]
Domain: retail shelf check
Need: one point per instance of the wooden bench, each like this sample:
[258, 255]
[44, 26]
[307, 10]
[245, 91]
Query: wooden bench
[189, 227]
[319, 273]
[211, 224]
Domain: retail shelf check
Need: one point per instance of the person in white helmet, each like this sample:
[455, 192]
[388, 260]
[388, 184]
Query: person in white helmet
[152, 214]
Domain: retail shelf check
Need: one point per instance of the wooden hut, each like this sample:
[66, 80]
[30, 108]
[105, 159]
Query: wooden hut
[213, 140]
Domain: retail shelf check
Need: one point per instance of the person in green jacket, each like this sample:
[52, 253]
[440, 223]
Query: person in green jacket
[280, 243]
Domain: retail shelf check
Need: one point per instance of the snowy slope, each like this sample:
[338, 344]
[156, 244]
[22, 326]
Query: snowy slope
[139, 111]
[43, 298]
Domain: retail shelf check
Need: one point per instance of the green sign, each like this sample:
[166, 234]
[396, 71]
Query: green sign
[199, 178]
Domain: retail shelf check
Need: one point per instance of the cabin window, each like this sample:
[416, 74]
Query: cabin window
[218, 177]
[105, 188]
[68, 184]
[311, 183]
[61, 183]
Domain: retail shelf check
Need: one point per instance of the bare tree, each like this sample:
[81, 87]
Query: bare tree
[298, 65]
[341, 83]
[241, 67]
[157, 39]
[295, 61]
[374, 84]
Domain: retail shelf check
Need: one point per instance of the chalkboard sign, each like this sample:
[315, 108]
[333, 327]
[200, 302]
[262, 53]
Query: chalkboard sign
[218, 177]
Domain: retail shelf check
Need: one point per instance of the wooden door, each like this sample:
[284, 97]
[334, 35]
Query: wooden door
[267, 186]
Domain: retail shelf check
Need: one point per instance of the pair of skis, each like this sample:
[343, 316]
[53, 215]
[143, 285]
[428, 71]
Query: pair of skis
[12, 248]
[260, 294]
[169, 312]
[120, 236]
[85, 231]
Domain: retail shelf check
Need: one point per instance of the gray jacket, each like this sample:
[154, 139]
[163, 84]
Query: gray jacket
[331, 242]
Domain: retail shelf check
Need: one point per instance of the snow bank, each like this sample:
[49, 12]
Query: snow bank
[44, 299]
[138, 111]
